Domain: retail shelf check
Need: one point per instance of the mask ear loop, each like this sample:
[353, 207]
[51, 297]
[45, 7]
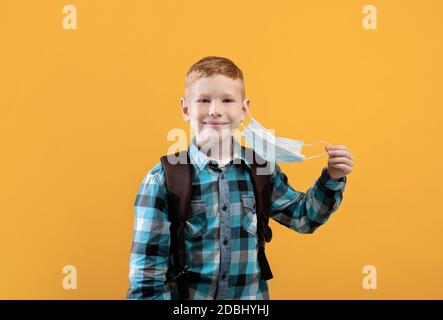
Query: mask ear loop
[318, 155]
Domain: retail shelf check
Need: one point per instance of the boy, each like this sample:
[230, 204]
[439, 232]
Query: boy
[221, 249]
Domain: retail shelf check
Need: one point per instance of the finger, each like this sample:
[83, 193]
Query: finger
[343, 160]
[339, 153]
[343, 167]
[339, 147]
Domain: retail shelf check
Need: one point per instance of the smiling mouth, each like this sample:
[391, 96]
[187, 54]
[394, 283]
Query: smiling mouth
[215, 124]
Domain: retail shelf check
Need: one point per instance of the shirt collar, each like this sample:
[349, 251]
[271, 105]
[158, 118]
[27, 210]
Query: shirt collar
[200, 160]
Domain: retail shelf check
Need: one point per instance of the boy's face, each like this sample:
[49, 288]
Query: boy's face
[214, 106]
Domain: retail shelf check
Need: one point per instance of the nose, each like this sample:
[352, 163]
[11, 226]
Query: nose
[214, 110]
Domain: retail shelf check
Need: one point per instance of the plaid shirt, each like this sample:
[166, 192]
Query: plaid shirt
[221, 231]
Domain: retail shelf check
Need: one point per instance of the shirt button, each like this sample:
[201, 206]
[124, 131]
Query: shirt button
[223, 276]
[222, 176]
[225, 242]
[224, 208]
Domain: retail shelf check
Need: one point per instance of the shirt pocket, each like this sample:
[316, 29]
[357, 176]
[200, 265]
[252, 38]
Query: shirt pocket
[196, 223]
[249, 219]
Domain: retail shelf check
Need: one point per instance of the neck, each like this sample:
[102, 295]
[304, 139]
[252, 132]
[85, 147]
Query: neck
[220, 150]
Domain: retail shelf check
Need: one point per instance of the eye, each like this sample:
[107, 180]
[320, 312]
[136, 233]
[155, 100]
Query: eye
[203, 100]
[228, 100]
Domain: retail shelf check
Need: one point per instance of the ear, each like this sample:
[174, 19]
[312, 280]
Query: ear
[244, 109]
[185, 109]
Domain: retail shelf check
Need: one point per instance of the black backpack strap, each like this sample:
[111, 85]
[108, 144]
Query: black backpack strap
[178, 184]
[263, 192]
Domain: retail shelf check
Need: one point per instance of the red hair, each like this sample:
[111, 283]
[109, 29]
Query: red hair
[211, 65]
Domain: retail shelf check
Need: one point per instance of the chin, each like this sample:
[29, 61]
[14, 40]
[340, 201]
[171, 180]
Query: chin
[211, 136]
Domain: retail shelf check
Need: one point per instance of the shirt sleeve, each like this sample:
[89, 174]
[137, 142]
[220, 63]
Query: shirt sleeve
[305, 212]
[149, 257]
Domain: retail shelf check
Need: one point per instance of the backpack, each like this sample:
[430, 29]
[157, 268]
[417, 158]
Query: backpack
[178, 178]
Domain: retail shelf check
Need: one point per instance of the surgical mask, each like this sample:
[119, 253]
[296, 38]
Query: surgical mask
[275, 149]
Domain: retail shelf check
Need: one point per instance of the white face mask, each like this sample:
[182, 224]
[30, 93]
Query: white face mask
[275, 149]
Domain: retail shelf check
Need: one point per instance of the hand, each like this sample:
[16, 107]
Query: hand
[340, 161]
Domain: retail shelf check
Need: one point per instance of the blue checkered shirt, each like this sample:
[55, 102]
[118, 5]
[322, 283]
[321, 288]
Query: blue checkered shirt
[221, 232]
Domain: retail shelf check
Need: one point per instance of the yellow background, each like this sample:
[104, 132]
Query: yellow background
[85, 113]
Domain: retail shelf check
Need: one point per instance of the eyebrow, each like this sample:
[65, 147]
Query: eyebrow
[230, 95]
[204, 95]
